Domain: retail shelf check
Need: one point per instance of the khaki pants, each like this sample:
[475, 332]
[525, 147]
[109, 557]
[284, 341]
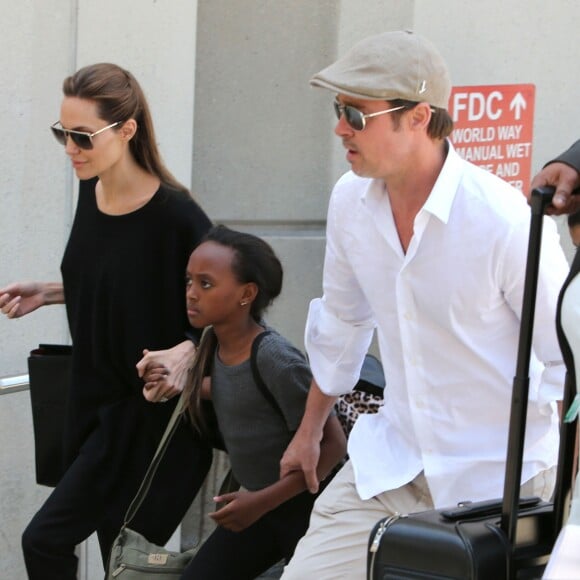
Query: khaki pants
[335, 545]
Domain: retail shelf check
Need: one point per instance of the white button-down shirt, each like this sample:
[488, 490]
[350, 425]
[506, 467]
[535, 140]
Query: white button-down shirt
[447, 317]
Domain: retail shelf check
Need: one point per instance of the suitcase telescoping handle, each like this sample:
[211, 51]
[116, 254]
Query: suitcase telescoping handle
[540, 199]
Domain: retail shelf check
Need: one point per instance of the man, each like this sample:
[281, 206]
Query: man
[430, 251]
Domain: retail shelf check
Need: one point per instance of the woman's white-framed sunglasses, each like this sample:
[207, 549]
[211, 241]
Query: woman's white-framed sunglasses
[81, 139]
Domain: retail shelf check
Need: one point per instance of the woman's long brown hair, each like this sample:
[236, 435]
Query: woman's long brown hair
[201, 369]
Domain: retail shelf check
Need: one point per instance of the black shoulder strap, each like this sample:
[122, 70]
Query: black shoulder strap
[258, 377]
[161, 449]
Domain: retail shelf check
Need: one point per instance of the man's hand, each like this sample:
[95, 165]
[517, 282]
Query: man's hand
[302, 454]
[165, 371]
[565, 179]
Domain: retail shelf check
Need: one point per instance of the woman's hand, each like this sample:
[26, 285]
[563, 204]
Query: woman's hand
[242, 509]
[165, 371]
[21, 298]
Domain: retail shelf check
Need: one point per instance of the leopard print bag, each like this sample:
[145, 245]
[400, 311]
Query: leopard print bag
[366, 397]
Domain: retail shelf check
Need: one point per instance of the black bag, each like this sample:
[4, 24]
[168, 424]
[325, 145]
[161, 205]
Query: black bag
[49, 369]
[502, 539]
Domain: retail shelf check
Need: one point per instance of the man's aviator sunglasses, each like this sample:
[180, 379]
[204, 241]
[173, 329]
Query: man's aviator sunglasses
[81, 139]
[355, 118]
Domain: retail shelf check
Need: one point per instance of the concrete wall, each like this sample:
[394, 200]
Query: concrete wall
[35, 213]
[227, 82]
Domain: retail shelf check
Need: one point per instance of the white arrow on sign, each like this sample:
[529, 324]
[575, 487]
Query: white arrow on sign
[518, 103]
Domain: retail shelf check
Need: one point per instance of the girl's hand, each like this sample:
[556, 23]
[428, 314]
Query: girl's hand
[19, 299]
[165, 371]
[154, 373]
[242, 510]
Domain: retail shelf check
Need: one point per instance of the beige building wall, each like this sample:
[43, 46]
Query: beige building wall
[227, 82]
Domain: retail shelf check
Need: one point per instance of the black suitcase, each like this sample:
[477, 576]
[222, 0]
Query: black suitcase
[500, 539]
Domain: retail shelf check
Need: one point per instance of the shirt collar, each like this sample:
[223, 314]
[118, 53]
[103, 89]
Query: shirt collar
[443, 193]
[375, 190]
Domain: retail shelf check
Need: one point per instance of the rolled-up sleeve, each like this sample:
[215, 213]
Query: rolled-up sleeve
[340, 325]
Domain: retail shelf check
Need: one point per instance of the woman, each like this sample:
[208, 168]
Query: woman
[122, 271]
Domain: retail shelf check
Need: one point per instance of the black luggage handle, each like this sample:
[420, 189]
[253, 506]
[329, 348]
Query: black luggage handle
[540, 199]
[484, 508]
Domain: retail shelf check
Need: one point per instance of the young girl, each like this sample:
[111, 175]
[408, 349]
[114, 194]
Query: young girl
[231, 278]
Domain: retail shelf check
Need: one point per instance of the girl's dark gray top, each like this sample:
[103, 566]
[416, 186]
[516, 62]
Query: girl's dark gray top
[255, 434]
